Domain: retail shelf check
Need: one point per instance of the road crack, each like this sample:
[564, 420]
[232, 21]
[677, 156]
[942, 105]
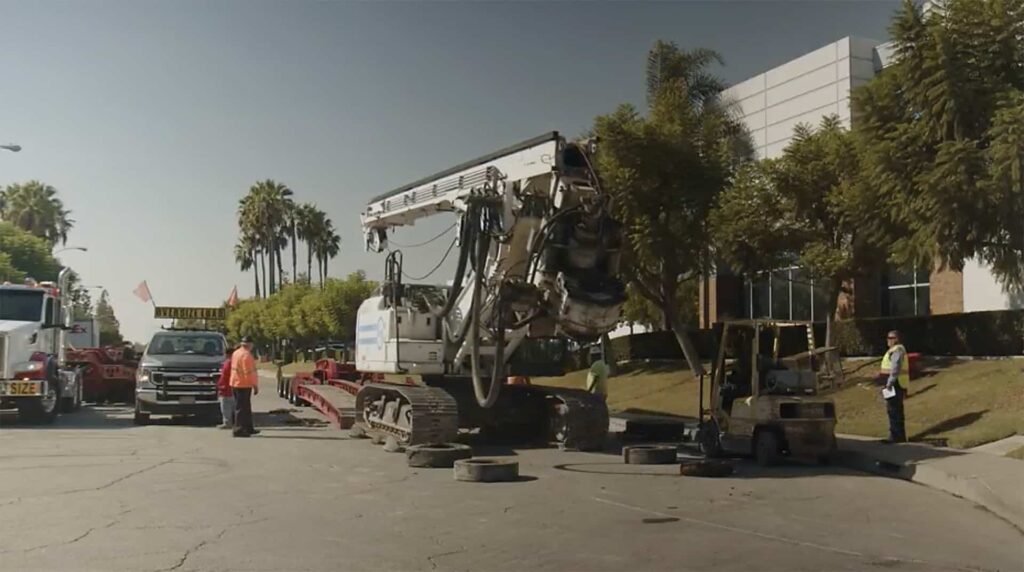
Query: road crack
[432, 559]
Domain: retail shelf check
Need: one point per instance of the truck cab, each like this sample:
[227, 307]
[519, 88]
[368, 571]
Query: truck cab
[32, 339]
[178, 374]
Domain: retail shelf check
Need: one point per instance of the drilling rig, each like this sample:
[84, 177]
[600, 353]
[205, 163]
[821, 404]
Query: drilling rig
[537, 261]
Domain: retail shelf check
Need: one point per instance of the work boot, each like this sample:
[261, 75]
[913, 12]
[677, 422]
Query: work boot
[224, 426]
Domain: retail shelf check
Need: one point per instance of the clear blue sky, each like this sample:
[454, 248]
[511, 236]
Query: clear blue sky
[153, 118]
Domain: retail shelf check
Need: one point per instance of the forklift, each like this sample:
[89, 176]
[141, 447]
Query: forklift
[765, 405]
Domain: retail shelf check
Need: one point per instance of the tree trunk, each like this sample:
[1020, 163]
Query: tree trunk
[295, 257]
[309, 263]
[669, 291]
[280, 270]
[263, 265]
[273, 269]
[835, 287]
[255, 272]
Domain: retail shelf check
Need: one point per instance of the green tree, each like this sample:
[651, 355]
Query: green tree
[664, 172]
[804, 208]
[35, 207]
[642, 311]
[109, 326]
[327, 247]
[245, 255]
[309, 224]
[23, 255]
[262, 214]
[81, 301]
[942, 137]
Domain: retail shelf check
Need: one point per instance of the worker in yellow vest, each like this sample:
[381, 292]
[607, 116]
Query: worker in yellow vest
[896, 370]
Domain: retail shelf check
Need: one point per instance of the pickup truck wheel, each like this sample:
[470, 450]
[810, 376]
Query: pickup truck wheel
[141, 417]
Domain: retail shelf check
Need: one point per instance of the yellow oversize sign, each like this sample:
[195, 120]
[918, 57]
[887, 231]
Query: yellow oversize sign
[177, 313]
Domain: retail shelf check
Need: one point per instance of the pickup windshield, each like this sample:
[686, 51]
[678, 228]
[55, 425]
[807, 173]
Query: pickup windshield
[170, 344]
[21, 305]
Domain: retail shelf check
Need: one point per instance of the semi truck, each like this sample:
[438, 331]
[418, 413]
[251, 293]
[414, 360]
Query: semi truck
[35, 378]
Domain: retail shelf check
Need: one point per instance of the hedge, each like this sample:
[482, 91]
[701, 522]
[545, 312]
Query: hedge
[999, 333]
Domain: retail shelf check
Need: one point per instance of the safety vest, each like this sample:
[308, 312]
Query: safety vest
[903, 375]
[243, 369]
[597, 378]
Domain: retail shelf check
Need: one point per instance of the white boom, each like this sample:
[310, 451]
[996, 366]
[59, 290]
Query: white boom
[538, 257]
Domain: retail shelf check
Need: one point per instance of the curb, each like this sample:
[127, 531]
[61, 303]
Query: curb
[967, 488]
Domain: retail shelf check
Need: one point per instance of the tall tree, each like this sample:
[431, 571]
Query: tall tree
[109, 326]
[262, 214]
[35, 207]
[804, 208]
[942, 138]
[664, 172]
[328, 246]
[291, 217]
[245, 256]
[26, 256]
[308, 226]
[81, 301]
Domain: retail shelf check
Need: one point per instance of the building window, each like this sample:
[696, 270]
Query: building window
[906, 293]
[786, 294]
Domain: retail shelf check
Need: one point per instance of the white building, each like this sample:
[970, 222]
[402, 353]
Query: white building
[804, 90]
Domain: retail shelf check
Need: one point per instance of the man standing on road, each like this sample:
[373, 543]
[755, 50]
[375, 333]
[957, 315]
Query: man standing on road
[225, 396]
[896, 370]
[244, 384]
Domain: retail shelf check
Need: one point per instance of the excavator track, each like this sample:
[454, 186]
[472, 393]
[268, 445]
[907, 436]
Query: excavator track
[413, 415]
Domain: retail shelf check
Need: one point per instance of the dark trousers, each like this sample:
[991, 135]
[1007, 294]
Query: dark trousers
[894, 407]
[243, 410]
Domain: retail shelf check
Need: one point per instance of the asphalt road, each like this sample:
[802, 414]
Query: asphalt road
[94, 492]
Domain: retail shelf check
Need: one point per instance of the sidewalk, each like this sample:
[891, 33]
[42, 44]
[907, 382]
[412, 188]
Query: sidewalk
[996, 483]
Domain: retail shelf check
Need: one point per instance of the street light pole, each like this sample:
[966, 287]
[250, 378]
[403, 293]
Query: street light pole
[78, 248]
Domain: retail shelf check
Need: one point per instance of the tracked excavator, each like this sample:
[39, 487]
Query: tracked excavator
[537, 266]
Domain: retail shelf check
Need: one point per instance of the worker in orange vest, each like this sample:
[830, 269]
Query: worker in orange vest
[244, 384]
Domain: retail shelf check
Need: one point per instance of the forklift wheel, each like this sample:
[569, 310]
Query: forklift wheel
[710, 440]
[767, 447]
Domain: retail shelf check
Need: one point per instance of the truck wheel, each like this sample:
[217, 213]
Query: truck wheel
[141, 417]
[767, 448]
[40, 410]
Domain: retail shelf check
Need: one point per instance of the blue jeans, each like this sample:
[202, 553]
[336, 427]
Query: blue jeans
[894, 408]
[227, 409]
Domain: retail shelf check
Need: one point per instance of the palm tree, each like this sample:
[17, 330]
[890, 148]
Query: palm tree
[327, 248]
[245, 256]
[262, 213]
[316, 226]
[35, 208]
[291, 217]
[306, 218]
[668, 65]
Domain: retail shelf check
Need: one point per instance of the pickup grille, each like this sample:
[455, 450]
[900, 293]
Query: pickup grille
[201, 384]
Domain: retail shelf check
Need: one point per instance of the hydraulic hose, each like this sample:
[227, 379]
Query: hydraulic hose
[485, 397]
[466, 238]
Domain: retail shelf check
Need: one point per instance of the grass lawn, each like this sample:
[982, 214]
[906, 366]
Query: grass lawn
[965, 403]
[667, 388]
